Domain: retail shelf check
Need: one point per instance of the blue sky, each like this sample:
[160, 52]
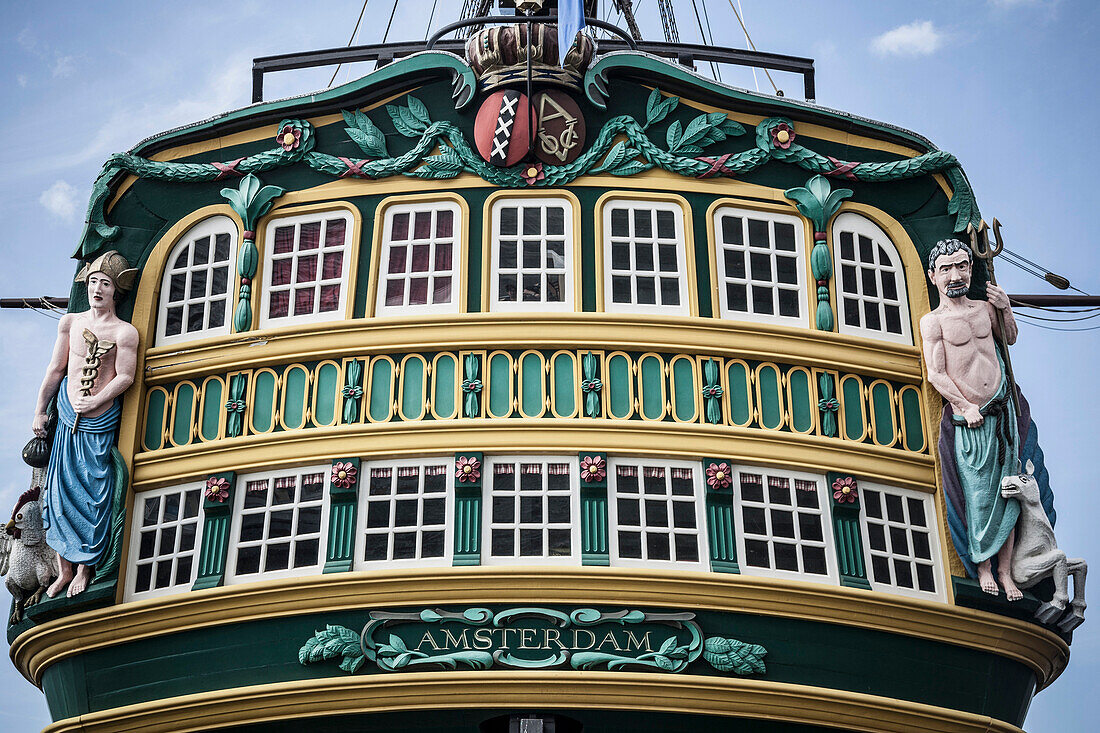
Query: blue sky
[1008, 86]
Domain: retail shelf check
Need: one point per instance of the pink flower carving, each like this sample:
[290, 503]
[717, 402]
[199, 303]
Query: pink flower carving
[783, 136]
[289, 138]
[468, 469]
[845, 490]
[719, 475]
[217, 489]
[343, 475]
[533, 173]
[593, 469]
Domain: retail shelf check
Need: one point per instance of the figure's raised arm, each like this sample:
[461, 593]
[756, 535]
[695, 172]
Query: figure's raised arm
[55, 372]
[935, 359]
[998, 300]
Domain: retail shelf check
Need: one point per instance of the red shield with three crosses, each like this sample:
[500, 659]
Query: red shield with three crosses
[502, 129]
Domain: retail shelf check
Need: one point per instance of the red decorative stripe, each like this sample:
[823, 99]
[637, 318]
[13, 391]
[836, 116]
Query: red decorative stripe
[842, 169]
[355, 170]
[717, 166]
[225, 170]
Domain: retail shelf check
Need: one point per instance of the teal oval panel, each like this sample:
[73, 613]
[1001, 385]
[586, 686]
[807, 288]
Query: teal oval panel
[263, 403]
[771, 408]
[154, 419]
[381, 388]
[798, 387]
[443, 386]
[211, 410]
[182, 414]
[619, 399]
[740, 399]
[565, 390]
[532, 400]
[913, 420]
[852, 393]
[885, 429]
[412, 388]
[294, 398]
[683, 389]
[651, 379]
[325, 390]
[500, 386]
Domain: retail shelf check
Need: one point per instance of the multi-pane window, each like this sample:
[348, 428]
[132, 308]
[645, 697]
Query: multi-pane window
[532, 255]
[871, 282]
[760, 266]
[405, 515]
[645, 268]
[781, 523]
[164, 541]
[899, 540]
[194, 297]
[655, 513]
[279, 525]
[419, 265]
[532, 512]
[306, 269]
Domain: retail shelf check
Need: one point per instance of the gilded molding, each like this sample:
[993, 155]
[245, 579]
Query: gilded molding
[1040, 650]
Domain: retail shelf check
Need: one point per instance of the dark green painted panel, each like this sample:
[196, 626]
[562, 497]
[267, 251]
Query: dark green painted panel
[651, 381]
[532, 399]
[564, 399]
[798, 386]
[500, 386]
[381, 389]
[326, 390]
[851, 393]
[263, 402]
[884, 414]
[212, 406]
[154, 421]
[740, 396]
[443, 386]
[912, 419]
[683, 389]
[295, 394]
[413, 387]
[771, 397]
[620, 403]
[182, 414]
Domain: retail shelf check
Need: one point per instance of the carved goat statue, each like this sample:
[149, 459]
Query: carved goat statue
[25, 558]
[1036, 555]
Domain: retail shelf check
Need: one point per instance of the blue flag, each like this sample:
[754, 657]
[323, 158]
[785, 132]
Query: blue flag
[570, 23]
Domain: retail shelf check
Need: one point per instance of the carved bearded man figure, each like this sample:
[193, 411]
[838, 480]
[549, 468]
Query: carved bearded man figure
[966, 368]
[92, 365]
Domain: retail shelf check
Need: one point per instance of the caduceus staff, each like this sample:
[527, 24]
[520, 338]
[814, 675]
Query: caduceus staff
[979, 242]
[90, 372]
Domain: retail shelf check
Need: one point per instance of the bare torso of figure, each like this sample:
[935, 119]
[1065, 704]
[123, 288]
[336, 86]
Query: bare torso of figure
[969, 349]
[113, 331]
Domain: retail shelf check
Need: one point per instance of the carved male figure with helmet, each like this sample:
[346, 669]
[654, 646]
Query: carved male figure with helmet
[93, 363]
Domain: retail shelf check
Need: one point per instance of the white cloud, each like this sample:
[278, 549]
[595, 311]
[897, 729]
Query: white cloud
[27, 40]
[918, 38]
[61, 200]
[22, 80]
[64, 66]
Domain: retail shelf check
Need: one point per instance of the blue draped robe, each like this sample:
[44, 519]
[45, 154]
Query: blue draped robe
[76, 511]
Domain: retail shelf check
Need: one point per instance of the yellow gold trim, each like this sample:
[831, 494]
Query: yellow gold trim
[462, 227]
[628, 691]
[487, 238]
[1029, 644]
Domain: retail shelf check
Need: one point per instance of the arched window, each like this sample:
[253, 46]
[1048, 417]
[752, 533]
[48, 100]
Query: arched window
[645, 265]
[870, 281]
[420, 259]
[195, 299]
[531, 255]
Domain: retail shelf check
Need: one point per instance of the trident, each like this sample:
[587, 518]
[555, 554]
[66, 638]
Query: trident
[979, 242]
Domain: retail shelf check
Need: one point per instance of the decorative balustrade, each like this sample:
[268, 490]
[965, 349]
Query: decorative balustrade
[486, 385]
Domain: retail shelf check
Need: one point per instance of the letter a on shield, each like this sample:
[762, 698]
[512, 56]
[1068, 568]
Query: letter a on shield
[502, 130]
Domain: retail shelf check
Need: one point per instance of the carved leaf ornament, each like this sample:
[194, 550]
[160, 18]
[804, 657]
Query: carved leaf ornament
[441, 151]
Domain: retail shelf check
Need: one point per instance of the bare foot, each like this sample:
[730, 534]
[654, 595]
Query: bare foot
[80, 582]
[59, 585]
[1011, 591]
[985, 579]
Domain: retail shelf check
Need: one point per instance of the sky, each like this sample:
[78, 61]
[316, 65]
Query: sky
[1008, 86]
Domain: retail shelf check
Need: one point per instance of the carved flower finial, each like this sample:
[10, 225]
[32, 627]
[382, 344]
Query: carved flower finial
[782, 136]
[533, 173]
[217, 489]
[845, 490]
[343, 475]
[593, 469]
[468, 469]
[719, 475]
[289, 137]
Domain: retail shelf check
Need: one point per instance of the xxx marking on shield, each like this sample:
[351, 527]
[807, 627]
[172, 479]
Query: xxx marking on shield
[502, 129]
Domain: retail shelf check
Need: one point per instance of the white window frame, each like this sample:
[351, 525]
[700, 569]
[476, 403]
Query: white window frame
[211, 227]
[800, 287]
[488, 525]
[231, 575]
[433, 207]
[698, 499]
[567, 304]
[931, 528]
[683, 262]
[136, 527]
[340, 312]
[861, 226]
[447, 495]
[828, 542]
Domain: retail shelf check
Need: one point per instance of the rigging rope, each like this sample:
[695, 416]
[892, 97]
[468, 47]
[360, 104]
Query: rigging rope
[350, 40]
[751, 44]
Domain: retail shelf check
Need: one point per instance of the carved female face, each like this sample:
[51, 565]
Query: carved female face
[951, 274]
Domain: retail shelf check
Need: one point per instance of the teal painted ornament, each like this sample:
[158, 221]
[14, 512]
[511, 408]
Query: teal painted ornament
[819, 203]
[251, 200]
